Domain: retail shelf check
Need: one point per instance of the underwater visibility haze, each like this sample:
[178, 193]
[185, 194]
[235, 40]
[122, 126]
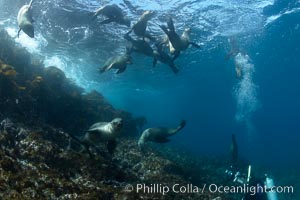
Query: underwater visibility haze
[243, 80]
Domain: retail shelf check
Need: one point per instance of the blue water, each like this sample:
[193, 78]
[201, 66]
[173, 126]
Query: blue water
[262, 108]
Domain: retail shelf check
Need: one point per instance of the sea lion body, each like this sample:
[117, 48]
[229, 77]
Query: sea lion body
[177, 43]
[139, 28]
[117, 62]
[180, 43]
[140, 46]
[102, 132]
[25, 21]
[163, 57]
[113, 14]
[159, 134]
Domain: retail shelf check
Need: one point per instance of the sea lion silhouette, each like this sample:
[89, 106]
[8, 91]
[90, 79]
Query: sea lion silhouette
[25, 21]
[159, 134]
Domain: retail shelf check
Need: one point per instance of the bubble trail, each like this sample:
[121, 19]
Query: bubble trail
[246, 93]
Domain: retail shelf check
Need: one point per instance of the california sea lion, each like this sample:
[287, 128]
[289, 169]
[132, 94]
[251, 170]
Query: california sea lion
[139, 46]
[143, 47]
[117, 62]
[25, 20]
[104, 132]
[139, 28]
[177, 43]
[162, 56]
[159, 134]
[113, 14]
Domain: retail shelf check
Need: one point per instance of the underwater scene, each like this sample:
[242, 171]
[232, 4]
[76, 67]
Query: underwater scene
[155, 99]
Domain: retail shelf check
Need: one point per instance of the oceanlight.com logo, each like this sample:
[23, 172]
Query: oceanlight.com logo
[211, 188]
[252, 190]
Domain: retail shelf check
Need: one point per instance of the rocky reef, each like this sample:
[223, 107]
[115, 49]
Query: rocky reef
[37, 162]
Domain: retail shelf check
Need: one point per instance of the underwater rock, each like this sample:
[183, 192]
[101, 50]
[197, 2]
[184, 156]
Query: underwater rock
[7, 70]
[36, 163]
[47, 95]
[55, 75]
[37, 82]
[13, 54]
[9, 87]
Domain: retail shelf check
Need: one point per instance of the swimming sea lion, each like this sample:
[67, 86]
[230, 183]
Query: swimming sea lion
[25, 20]
[104, 132]
[159, 134]
[113, 14]
[177, 43]
[139, 28]
[117, 62]
[139, 46]
[162, 56]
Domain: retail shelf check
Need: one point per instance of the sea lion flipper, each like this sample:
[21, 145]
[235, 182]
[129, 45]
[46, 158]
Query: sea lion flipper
[127, 37]
[195, 45]
[19, 32]
[170, 24]
[176, 54]
[96, 13]
[174, 68]
[30, 4]
[182, 124]
[107, 21]
[103, 69]
[91, 130]
[127, 34]
[108, 67]
[121, 70]
[164, 28]
[93, 16]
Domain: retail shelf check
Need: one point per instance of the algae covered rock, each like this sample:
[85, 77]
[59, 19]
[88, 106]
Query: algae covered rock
[32, 93]
[37, 163]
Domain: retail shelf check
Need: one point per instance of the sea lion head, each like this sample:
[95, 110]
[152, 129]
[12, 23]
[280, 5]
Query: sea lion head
[147, 15]
[28, 29]
[117, 124]
[187, 30]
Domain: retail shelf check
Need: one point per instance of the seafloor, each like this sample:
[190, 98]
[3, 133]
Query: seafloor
[40, 108]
